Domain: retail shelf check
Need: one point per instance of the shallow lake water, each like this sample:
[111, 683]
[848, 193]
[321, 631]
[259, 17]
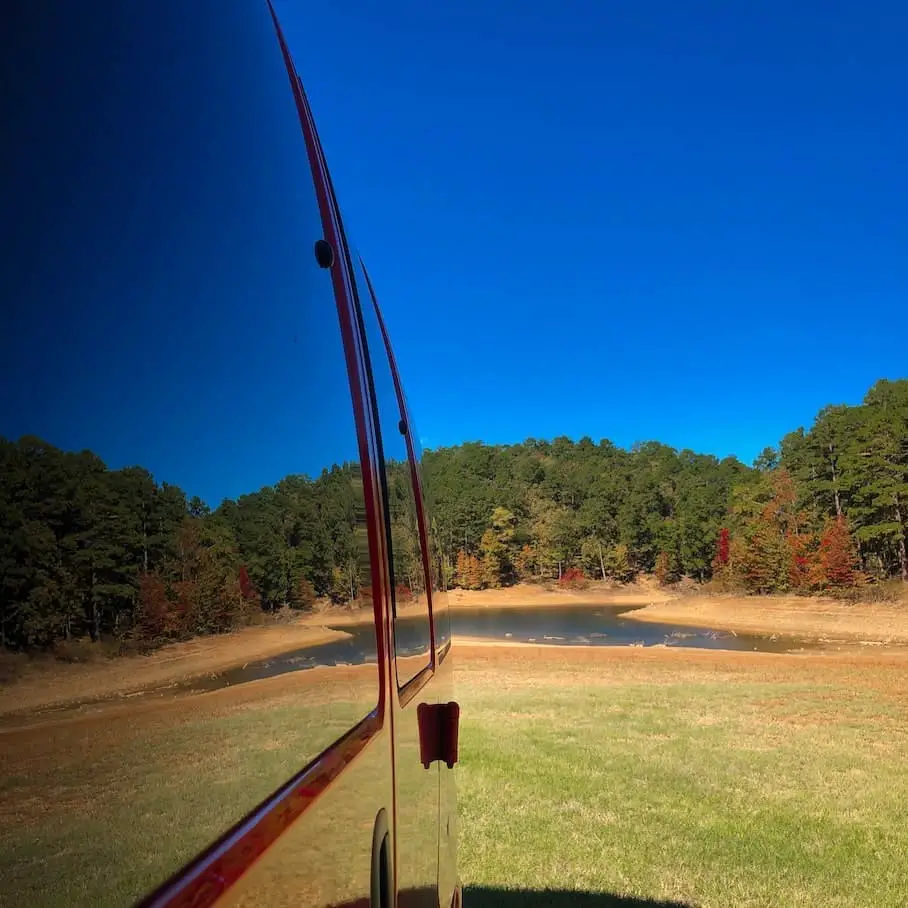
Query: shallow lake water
[571, 626]
[605, 625]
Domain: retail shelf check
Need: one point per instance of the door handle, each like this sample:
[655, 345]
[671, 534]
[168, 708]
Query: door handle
[382, 895]
[439, 730]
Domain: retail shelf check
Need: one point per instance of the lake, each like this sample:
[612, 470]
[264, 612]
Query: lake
[571, 626]
[586, 625]
[566, 626]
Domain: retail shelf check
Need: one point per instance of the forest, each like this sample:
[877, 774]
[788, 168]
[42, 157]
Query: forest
[825, 508]
[86, 551]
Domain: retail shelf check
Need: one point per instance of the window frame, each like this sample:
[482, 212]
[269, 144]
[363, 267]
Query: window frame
[416, 682]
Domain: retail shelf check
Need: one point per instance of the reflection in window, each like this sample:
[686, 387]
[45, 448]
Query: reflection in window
[412, 636]
[179, 457]
[441, 569]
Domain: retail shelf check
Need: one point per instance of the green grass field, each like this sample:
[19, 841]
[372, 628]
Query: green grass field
[691, 780]
[591, 777]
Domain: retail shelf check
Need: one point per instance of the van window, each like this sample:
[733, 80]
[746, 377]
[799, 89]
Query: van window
[412, 632]
[181, 499]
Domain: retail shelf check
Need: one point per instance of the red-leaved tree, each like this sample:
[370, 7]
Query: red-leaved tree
[722, 547]
[159, 617]
[573, 579]
[802, 567]
[403, 593]
[246, 587]
[838, 558]
[721, 565]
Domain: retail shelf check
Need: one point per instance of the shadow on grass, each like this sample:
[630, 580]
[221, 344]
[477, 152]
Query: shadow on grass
[485, 897]
[482, 897]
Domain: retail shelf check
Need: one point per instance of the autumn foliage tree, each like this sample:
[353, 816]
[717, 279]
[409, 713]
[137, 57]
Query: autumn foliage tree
[802, 561]
[246, 587]
[460, 568]
[158, 617]
[838, 558]
[772, 551]
[666, 569]
[720, 566]
[764, 567]
[469, 574]
[403, 594]
[722, 547]
[305, 594]
[573, 579]
[475, 573]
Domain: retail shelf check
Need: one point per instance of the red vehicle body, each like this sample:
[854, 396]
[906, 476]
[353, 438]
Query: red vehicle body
[134, 203]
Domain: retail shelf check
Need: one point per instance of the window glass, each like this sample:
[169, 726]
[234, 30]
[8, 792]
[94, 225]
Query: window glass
[181, 501]
[439, 569]
[412, 636]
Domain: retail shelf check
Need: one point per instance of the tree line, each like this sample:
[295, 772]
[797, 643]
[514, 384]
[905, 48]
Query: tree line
[827, 507]
[89, 551]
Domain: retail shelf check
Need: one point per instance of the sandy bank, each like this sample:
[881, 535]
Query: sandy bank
[522, 596]
[812, 618]
[528, 595]
[46, 683]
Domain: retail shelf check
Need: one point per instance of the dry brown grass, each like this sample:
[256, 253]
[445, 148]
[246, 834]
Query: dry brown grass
[883, 670]
[799, 616]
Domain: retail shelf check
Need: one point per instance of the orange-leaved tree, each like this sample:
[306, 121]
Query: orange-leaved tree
[802, 560]
[666, 569]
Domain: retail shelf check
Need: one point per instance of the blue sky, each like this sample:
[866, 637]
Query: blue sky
[638, 220]
[682, 221]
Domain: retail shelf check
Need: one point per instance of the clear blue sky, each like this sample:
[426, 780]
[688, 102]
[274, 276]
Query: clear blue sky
[637, 220]
[681, 221]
